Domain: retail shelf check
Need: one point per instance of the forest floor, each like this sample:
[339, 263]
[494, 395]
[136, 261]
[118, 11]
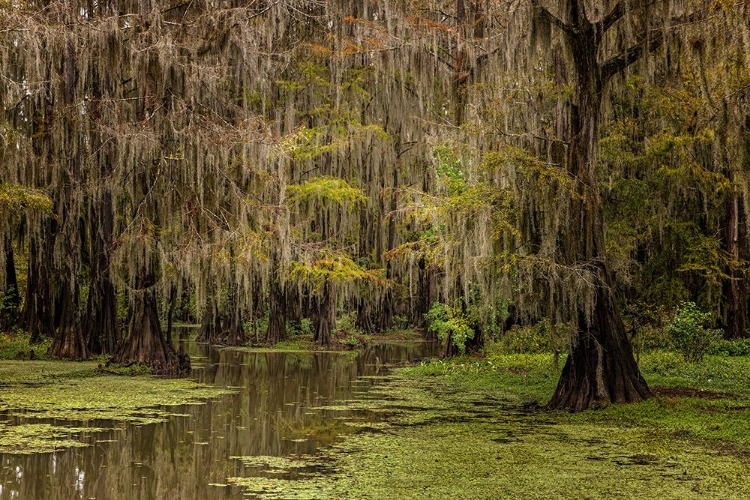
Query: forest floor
[474, 428]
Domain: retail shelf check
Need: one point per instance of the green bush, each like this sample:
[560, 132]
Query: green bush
[526, 340]
[689, 334]
[450, 323]
[734, 347]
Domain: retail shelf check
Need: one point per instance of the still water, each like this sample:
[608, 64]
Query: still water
[275, 411]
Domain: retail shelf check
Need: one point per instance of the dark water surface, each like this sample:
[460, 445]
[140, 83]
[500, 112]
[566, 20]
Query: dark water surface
[275, 412]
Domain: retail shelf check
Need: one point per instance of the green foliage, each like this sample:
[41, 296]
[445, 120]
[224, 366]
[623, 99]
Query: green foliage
[304, 327]
[346, 324]
[449, 170]
[326, 190]
[15, 197]
[450, 324]
[16, 345]
[542, 337]
[732, 348]
[331, 267]
[526, 340]
[689, 333]
[351, 342]
[9, 302]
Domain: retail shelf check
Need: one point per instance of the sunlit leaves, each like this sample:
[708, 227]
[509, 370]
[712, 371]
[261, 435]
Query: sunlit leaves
[15, 197]
[326, 191]
[329, 266]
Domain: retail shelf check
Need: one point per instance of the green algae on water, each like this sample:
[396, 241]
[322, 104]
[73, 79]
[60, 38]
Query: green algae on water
[458, 435]
[73, 391]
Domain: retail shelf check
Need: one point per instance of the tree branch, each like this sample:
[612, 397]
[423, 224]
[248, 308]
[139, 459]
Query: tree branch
[649, 41]
[617, 63]
[614, 15]
[567, 28]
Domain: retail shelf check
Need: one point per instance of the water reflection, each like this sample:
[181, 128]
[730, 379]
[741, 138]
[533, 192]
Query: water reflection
[274, 412]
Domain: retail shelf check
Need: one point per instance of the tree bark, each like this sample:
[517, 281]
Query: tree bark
[736, 288]
[12, 298]
[69, 342]
[36, 316]
[210, 324]
[101, 310]
[601, 366]
[146, 344]
[276, 313]
[324, 316]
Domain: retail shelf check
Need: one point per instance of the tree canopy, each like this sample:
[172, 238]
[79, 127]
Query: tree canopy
[575, 161]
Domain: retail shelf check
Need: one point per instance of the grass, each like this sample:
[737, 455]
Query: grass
[458, 429]
[15, 345]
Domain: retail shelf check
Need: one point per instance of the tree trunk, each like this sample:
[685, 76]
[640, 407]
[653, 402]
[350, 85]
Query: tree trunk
[37, 317]
[365, 314]
[210, 324]
[146, 345]
[276, 313]
[601, 366]
[101, 310]
[170, 311]
[736, 288]
[234, 334]
[69, 342]
[323, 317]
[11, 299]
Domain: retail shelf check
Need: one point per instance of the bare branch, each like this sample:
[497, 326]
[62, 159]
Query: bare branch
[647, 42]
[614, 15]
[567, 28]
[624, 59]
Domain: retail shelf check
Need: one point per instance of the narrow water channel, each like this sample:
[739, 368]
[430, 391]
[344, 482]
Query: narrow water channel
[275, 411]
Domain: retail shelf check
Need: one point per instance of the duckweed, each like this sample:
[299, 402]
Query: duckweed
[34, 390]
[464, 429]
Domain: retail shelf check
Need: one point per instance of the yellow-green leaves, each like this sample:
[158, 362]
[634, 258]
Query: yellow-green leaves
[326, 191]
[332, 267]
[15, 197]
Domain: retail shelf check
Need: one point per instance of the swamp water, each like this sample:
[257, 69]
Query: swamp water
[285, 404]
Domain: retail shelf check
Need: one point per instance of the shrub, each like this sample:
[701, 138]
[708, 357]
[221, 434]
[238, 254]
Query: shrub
[734, 347]
[450, 323]
[525, 340]
[689, 333]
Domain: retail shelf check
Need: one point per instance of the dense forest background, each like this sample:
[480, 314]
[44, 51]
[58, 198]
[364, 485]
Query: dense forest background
[480, 164]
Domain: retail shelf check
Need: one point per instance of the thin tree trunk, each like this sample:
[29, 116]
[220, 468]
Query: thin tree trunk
[276, 312]
[736, 287]
[324, 316]
[12, 298]
[170, 311]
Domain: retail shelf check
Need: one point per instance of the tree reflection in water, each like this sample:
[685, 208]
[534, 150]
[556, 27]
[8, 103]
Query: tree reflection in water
[274, 412]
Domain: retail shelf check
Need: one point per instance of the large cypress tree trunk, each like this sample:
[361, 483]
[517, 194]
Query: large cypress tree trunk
[146, 344]
[69, 341]
[101, 309]
[601, 366]
[36, 316]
